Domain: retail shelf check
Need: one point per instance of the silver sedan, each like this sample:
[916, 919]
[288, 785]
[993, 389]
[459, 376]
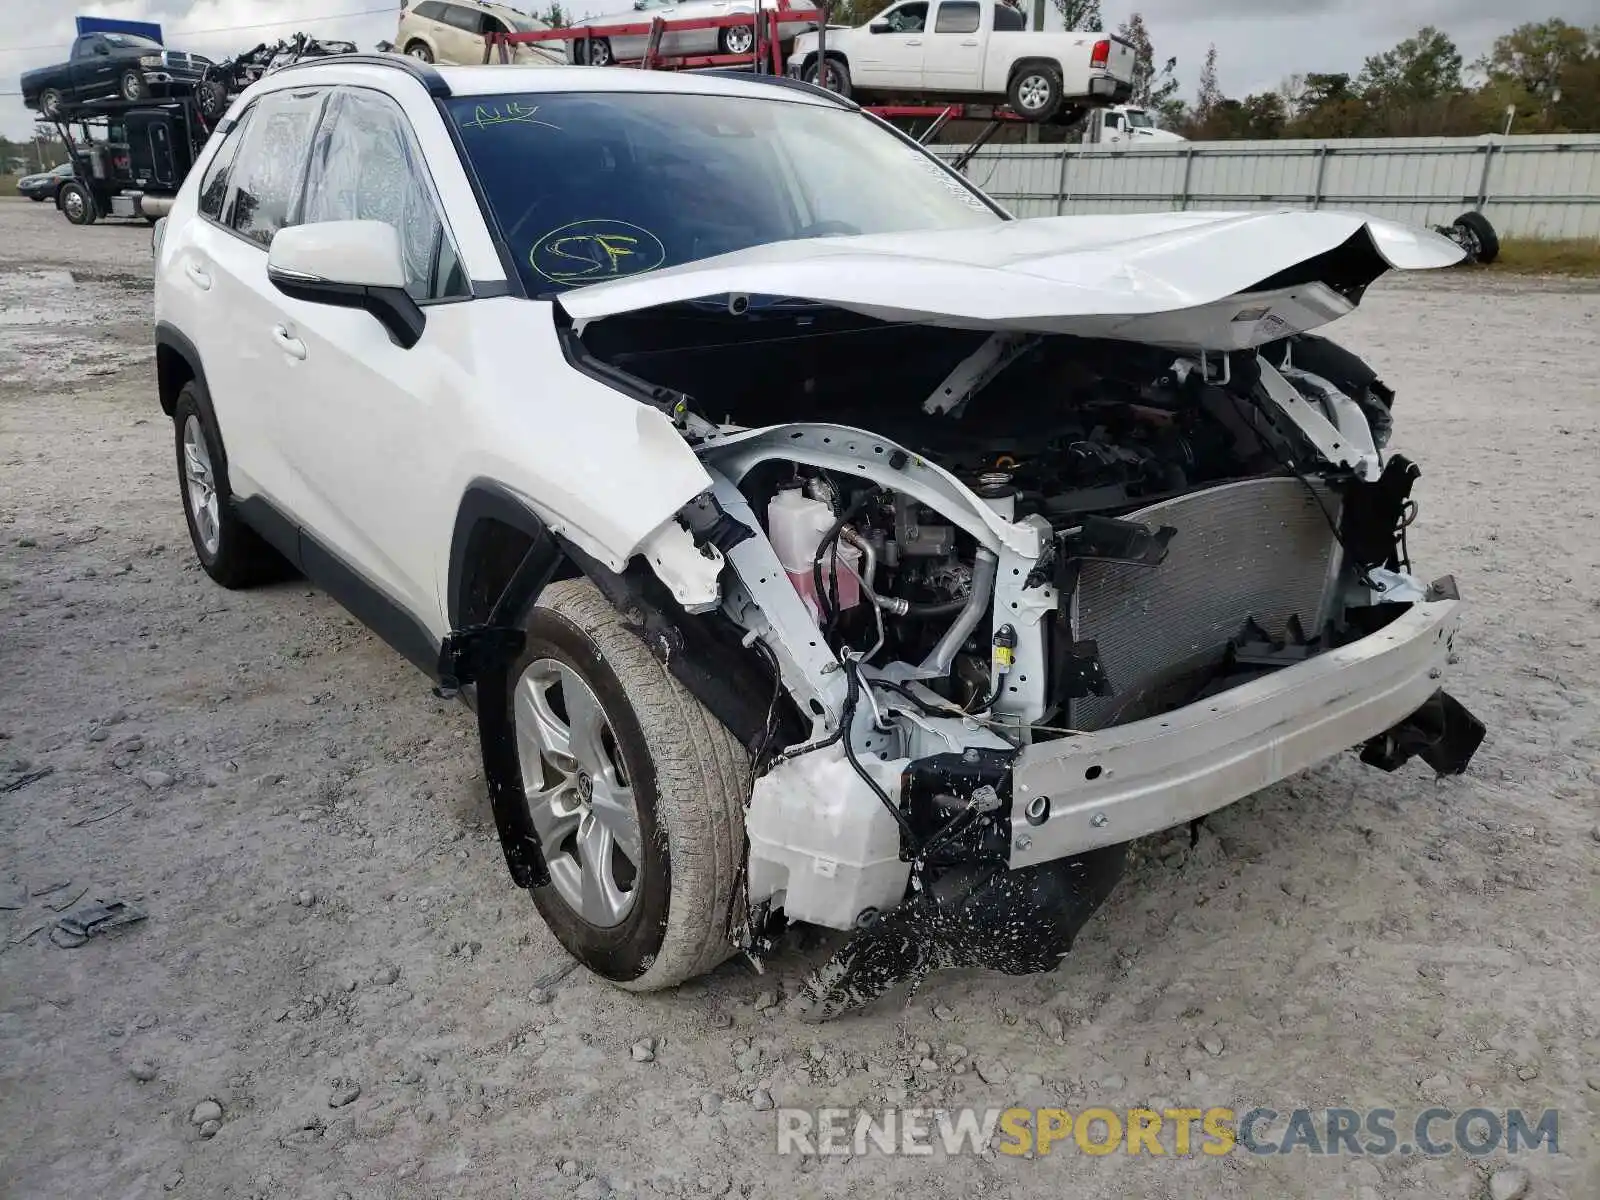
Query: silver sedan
[733, 39]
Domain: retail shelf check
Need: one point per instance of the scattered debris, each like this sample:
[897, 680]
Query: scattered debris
[644, 1050]
[90, 820]
[761, 1100]
[343, 1093]
[79, 926]
[1509, 1183]
[1211, 1043]
[27, 777]
[206, 1110]
[63, 905]
[13, 897]
[142, 1069]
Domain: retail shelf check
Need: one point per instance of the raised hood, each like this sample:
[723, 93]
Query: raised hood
[1199, 280]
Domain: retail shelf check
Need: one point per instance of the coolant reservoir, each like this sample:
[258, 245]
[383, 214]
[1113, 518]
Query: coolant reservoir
[795, 527]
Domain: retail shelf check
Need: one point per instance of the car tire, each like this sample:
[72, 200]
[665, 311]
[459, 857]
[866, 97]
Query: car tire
[229, 551]
[51, 102]
[212, 95]
[596, 52]
[737, 39]
[1481, 241]
[648, 747]
[76, 204]
[37, 199]
[1036, 92]
[838, 77]
[420, 51]
[131, 86]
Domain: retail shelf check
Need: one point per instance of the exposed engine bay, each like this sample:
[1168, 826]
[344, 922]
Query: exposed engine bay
[965, 576]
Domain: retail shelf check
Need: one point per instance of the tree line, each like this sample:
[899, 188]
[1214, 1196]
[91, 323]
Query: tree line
[1541, 77]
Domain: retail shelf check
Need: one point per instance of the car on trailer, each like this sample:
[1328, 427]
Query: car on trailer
[605, 48]
[111, 65]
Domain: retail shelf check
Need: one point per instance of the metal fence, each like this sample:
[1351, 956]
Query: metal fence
[1544, 186]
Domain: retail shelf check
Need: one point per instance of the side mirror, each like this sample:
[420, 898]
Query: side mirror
[349, 264]
[879, 27]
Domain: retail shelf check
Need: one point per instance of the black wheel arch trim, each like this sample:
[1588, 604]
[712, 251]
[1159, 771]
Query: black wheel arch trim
[173, 340]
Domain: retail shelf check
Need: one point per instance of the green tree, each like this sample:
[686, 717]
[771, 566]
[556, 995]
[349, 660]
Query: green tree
[1080, 14]
[1535, 56]
[1209, 96]
[556, 16]
[1420, 70]
[1152, 89]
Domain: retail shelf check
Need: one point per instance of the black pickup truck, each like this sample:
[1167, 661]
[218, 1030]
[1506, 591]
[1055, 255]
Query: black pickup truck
[107, 66]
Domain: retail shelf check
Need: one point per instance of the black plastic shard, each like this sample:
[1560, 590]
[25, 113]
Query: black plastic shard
[1018, 922]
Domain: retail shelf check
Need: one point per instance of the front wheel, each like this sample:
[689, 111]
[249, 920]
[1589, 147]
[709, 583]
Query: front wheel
[420, 52]
[76, 204]
[1035, 93]
[133, 87]
[635, 790]
[213, 98]
[836, 78]
[1477, 237]
[51, 103]
[596, 52]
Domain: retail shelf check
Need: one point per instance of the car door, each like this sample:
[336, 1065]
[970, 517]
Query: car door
[363, 422]
[93, 71]
[952, 56]
[247, 340]
[893, 58]
[463, 34]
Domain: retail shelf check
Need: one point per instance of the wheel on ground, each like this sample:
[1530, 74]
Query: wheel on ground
[51, 102]
[737, 39]
[836, 78]
[1478, 237]
[419, 51]
[1035, 93]
[37, 199]
[76, 204]
[133, 87]
[596, 52]
[636, 792]
[229, 551]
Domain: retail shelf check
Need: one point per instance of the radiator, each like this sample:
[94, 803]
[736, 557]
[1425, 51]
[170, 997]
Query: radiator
[1261, 548]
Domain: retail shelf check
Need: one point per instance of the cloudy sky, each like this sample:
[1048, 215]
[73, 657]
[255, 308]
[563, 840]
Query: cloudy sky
[1258, 41]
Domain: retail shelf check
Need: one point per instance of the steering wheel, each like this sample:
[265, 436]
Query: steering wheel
[827, 229]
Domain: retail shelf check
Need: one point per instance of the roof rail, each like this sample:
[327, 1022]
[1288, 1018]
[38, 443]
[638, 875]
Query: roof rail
[787, 81]
[422, 72]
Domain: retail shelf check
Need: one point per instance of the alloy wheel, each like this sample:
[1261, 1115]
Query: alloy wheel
[579, 793]
[201, 485]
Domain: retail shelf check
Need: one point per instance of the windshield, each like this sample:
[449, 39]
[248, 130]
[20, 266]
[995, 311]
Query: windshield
[1140, 120]
[131, 39]
[524, 24]
[594, 186]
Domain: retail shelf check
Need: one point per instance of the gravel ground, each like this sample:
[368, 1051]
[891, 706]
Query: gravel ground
[337, 992]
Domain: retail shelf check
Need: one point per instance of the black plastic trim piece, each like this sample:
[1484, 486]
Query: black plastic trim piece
[484, 500]
[360, 597]
[422, 72]
[393, 307]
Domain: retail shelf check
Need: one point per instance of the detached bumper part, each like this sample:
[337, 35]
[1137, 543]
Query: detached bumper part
[1136, 779]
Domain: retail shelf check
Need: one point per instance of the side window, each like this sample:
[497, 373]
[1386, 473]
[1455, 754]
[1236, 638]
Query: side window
[1113, 120]
[272, 163]
[214, 183]
[430, 10]
[957, 16]
[1009, 20]
[367, 167]
[908, 18]
[463, 18]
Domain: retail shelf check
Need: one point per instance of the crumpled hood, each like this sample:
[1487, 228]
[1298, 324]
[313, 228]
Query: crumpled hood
[1208, 280]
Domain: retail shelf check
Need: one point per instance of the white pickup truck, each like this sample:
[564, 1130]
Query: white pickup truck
[969, 51]
[1125, 125]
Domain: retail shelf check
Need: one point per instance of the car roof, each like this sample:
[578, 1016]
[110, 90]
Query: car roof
[497, 80]
[386, 70]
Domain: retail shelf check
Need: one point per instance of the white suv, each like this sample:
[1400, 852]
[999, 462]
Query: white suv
[814, 541]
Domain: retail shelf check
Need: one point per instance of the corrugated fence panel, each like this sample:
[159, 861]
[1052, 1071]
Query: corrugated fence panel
[1544, 186]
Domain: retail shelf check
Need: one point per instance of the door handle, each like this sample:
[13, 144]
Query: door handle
[287, 342]
[197, 276]
[913, 41]
[970, 42]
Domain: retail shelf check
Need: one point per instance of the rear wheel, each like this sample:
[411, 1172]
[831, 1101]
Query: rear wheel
[419, 51]
[836, 77]
[229, 551]
[133, 87]
[737, 39]
[76, 204]
[1035, 93]
[213, 97]
[636, 791]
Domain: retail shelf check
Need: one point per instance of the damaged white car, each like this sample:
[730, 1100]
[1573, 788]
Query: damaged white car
[815, 542]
